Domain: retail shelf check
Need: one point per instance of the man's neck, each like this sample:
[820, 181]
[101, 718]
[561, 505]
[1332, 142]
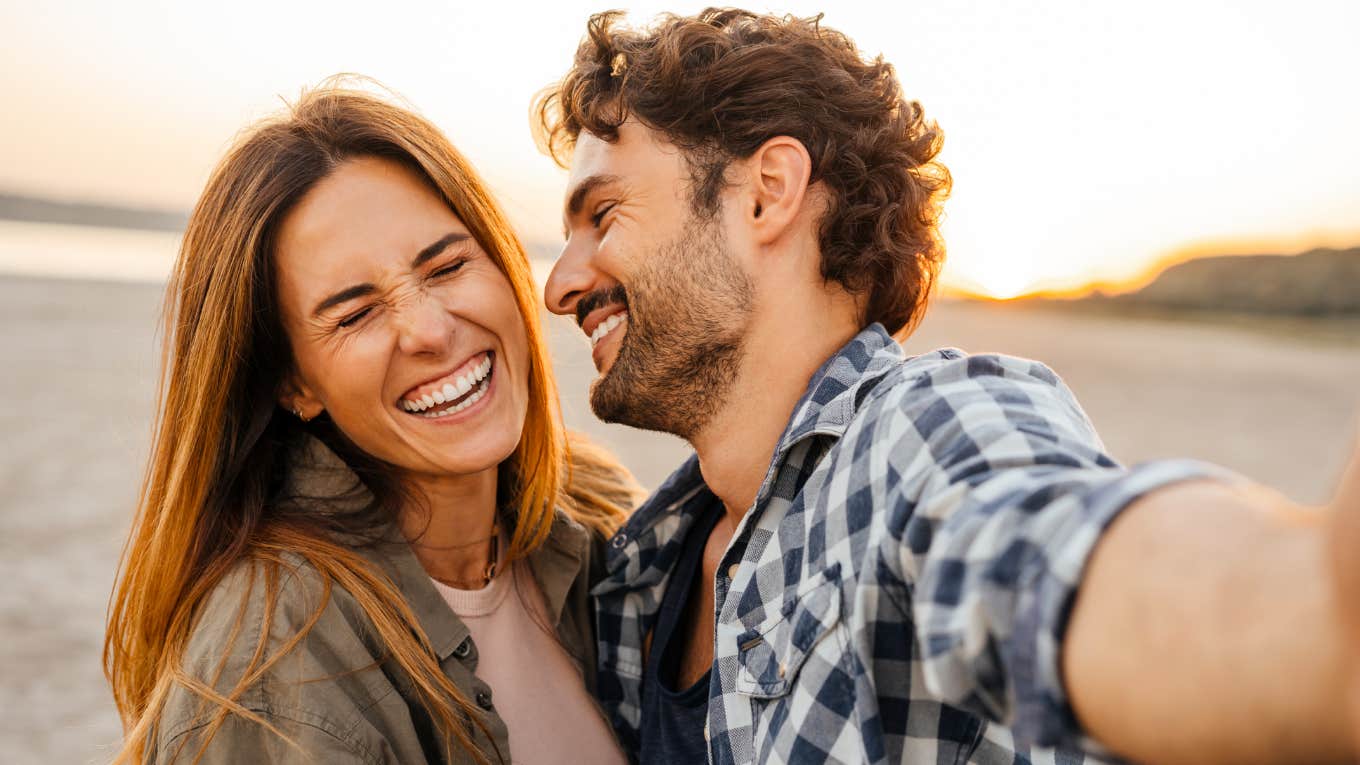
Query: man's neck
[782, 353]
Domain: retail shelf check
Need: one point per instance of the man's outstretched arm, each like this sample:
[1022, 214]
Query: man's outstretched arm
[1209, 628]
[1171, 611]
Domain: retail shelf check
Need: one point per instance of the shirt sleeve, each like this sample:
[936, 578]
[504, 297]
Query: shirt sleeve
[1005, 490]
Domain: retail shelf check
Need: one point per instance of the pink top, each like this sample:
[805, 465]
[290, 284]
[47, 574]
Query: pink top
[537, 689]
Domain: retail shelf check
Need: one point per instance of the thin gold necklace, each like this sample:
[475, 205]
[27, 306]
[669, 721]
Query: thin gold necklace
[492, 559]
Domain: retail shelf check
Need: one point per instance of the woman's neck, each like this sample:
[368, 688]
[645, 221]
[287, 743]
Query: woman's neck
[451, 524]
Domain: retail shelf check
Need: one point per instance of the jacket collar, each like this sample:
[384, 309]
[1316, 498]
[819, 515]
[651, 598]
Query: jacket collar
[316, 474]
[828, 405]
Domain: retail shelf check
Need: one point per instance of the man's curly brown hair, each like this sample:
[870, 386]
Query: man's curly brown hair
[721, 83]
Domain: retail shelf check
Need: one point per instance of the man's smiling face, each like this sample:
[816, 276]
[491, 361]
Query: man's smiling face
[652, 282]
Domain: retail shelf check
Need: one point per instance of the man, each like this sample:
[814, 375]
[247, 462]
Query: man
[873, 558]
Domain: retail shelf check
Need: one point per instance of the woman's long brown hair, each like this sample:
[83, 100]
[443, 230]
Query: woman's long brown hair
[221, 441]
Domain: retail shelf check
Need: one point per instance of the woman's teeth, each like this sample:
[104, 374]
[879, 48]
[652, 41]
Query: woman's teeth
[457, 390]
[606, 327]
[460, 406]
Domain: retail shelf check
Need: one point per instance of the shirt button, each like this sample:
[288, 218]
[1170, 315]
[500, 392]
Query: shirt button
[706, 738]
[783, 668]
[732, 571]
[620, 539]
[464, 648]
[484, 699]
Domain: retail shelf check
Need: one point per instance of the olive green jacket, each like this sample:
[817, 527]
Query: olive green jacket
[332, 694]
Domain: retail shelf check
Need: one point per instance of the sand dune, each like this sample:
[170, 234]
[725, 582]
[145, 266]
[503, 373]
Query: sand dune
[76, 397]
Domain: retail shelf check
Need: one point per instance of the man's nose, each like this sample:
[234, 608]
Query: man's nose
[572, 276]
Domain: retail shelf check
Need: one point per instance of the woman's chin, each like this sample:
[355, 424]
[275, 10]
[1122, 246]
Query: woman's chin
[481, 444]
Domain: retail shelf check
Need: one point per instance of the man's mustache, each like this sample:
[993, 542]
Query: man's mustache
[599, 299]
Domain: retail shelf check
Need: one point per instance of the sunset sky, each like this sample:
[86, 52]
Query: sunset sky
[1088, 141]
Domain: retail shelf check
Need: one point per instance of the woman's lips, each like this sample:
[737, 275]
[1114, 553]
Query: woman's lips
[456, 407]
[453, 387]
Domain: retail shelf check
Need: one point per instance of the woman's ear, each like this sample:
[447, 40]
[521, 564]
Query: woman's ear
[299, 398]
[780, 170]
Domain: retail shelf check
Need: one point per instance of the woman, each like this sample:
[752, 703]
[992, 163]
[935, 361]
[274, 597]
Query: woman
[358, 455]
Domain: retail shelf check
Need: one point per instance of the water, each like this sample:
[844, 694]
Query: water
[60, 251]
[86, 252]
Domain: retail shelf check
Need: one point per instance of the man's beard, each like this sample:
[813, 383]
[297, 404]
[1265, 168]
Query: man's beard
[689, 309]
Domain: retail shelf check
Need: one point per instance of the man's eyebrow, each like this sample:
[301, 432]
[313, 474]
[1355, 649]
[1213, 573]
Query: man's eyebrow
[438, 247]
[359, 290]
[583, 189]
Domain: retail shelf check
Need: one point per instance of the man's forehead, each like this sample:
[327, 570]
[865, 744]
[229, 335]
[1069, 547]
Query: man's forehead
[590, 156]
[638, 150]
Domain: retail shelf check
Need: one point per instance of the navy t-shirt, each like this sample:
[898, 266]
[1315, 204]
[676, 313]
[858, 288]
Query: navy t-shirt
[672, 729]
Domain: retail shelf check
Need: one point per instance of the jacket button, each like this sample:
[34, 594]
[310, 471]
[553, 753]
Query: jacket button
[464, 648]
[484, 699]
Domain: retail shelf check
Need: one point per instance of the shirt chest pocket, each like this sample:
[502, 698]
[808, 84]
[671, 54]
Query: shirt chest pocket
[773, 653]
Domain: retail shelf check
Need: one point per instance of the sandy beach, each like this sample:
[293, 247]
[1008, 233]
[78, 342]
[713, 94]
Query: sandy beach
[76, 397]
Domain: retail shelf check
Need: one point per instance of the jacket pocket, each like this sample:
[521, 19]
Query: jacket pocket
[771, 654]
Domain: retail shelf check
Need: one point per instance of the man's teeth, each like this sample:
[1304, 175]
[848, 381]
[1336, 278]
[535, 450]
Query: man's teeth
[460, 386]
[607, 326]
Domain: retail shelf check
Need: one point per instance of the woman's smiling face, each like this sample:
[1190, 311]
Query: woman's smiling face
[403, 330]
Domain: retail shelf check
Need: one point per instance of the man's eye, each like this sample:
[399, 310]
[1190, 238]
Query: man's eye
[353, 318]
[598, 217]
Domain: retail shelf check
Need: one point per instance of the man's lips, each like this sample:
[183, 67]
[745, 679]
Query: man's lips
[597, 317]
[606, 328]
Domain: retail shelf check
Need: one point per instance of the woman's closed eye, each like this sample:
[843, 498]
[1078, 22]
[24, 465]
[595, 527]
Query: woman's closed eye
[449, 268]
[353, 318]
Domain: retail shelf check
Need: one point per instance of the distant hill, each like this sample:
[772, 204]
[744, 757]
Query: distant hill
[1315, 283]
[36, 210]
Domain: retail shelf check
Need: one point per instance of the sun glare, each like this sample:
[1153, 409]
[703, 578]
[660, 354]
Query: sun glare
[1000, 284]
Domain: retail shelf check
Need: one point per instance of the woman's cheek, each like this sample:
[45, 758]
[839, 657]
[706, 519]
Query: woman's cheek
[359, 367]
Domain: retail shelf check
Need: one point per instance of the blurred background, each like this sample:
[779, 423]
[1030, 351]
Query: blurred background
[1160, 199]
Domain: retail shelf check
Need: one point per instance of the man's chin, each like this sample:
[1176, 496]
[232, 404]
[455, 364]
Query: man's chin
[606, 401]
[615, 400]
[612, 395]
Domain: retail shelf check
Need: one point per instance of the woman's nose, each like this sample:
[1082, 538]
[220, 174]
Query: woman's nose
[424, 325]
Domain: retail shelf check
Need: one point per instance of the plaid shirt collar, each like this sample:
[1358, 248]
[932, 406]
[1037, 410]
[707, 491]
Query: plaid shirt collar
[644, 550]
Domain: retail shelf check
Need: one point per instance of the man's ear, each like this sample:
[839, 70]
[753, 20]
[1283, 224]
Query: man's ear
[299, 398]
[780, 170]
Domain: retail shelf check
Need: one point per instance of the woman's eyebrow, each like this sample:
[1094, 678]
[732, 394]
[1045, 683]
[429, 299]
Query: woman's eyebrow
[343, 296]
[439, 246]
[360, 290]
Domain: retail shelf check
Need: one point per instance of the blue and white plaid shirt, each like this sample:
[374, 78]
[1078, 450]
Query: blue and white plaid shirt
[904, 576]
